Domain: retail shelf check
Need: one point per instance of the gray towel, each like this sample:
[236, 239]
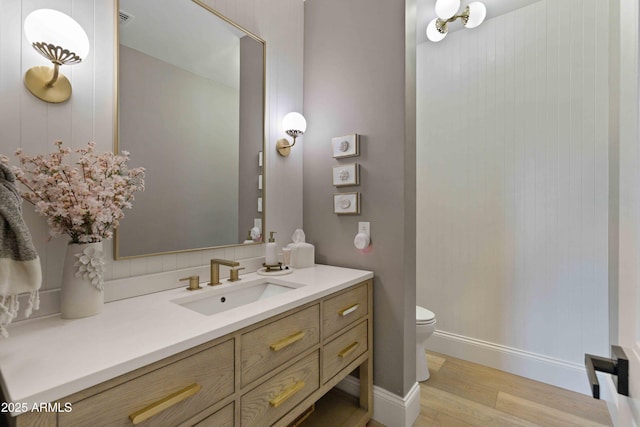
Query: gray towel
[20, 270]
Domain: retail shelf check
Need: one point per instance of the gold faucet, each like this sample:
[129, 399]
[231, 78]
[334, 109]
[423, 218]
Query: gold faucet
[215, 269]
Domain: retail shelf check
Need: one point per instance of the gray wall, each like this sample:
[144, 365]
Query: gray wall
[192, 134]
[355, 80]
[251, 132]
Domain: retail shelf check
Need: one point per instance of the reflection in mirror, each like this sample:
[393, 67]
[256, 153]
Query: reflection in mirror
[191, 111]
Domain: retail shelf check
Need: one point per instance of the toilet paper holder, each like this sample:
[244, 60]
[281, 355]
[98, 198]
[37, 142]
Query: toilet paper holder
[617, 365]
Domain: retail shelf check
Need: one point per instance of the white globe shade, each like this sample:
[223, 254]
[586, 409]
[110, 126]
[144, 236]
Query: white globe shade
[294, 121]
[445, 9]
[58, 29]
[477, 13]
[432, 31]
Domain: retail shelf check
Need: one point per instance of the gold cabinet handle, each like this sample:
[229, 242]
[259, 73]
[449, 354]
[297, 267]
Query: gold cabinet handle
[279, 400]
[162, 404]
[347, 350]
[285, 342]
[349, 310]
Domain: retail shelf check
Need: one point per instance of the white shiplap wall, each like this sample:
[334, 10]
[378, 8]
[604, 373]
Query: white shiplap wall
[513, 189]
[33, 125]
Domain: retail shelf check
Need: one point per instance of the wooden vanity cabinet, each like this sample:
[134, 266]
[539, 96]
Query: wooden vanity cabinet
[270, 373]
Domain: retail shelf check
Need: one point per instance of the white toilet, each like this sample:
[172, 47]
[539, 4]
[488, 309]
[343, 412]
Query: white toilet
[425, 325]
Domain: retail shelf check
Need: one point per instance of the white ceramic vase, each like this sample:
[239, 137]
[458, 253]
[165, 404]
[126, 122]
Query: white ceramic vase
[82, 293]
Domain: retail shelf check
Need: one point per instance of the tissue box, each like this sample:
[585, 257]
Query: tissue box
[303, 255]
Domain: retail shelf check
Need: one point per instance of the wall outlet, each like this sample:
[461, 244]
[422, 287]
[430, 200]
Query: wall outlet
[257, 222]
[364, 227]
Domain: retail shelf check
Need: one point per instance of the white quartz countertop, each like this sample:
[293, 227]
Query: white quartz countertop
[48, 358]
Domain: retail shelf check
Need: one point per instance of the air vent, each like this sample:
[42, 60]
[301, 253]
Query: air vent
[124, 17]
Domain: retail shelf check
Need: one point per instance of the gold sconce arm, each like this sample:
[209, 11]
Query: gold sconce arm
[47, 84]
[54, 77]
[283, 146]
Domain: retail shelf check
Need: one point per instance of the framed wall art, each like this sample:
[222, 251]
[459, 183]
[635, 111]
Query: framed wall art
[346, 146]
[346, 203]
[345, 175]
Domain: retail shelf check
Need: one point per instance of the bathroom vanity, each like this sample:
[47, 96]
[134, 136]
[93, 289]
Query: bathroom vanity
[152, 360]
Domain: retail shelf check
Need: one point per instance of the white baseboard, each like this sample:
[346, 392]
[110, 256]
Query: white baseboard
[388, 408]
[537, 367]
[619, 406]
[609, 389]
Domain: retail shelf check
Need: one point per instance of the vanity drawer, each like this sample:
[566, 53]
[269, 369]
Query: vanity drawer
[268, 402]
[222, 418]
[343, 350]
[344, 309]
[271, 345]
[173, 393]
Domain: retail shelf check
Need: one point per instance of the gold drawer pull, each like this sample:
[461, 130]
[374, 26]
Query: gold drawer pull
[347, 350]
[279, 400]
[162, 404]
[285, 342]
[349, 309]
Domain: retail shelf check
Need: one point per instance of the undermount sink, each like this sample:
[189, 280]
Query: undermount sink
[216, 301]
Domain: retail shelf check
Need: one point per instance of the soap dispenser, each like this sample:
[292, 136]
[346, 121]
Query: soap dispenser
[271, 251]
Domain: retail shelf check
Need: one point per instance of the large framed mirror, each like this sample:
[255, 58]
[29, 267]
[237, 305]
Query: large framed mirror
[190, 107]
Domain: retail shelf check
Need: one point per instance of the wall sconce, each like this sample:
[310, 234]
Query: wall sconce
[472, 16]
[294, 125]
[60, 39]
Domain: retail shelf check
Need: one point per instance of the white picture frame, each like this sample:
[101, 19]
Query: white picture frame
[346, 203]
[346, 175]
[346, 146]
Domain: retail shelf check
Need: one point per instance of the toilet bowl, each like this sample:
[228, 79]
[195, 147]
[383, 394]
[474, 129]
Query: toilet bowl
[425, 325]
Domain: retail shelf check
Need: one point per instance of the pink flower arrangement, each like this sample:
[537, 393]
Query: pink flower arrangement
[84, 200]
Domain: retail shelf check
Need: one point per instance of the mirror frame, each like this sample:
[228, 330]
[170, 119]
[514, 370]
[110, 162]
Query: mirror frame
[116, 128]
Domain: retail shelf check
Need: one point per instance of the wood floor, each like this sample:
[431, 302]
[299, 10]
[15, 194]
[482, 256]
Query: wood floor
[461, 393]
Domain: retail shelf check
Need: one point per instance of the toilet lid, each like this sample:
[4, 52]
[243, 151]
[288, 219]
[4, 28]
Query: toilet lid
[424, 315]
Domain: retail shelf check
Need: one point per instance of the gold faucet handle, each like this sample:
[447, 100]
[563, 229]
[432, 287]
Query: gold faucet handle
[234, 274]
[194, 282]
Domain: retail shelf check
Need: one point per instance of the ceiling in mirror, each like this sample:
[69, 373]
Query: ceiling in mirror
[191, 111]
[180, 33]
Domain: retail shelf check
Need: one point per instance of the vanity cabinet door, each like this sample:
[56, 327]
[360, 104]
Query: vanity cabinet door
[164, 397]
[343, 350]
[270, 401]
[344, 309]
[270, 346]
